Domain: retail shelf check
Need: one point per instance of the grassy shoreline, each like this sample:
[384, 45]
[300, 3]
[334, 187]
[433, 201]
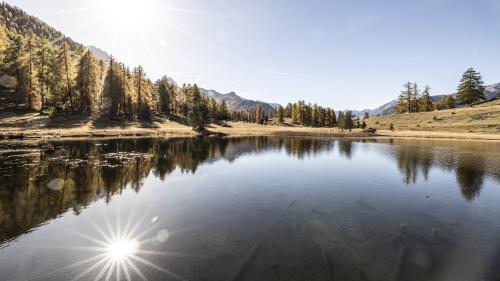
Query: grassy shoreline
[36, 127]
[476, 123]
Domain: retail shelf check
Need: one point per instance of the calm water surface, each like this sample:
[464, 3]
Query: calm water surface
[250, 209]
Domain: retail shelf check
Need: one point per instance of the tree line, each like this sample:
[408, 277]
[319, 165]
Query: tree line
[53, 76]
[469, 91]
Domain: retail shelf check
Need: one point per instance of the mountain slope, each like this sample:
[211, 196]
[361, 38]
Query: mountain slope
[481, 118]
[235, 102]
[98, 53]
[491, 92]
[17, 21]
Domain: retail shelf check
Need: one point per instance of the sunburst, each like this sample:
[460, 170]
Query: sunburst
[119, 252]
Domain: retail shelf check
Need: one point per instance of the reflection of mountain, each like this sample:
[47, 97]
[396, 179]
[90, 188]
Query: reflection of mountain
[470, 166]
[39, 182]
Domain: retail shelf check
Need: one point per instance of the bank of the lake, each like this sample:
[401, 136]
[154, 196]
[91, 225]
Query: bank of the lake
[37, 126]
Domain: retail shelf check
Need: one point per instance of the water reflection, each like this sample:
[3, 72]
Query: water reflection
[471, 162]
[347, 197]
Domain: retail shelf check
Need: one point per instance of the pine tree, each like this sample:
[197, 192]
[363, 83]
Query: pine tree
[471, 88]
[198, 113]
[366, 115]
[425, 102]
[223, 111]
[447, 102]
[348, 122]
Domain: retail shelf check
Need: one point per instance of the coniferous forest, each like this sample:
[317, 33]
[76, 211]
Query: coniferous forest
[52, 73]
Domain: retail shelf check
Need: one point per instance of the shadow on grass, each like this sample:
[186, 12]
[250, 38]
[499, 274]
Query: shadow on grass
[67, 121]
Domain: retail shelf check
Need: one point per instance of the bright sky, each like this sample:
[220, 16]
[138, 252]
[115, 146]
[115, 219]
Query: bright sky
[343, 54]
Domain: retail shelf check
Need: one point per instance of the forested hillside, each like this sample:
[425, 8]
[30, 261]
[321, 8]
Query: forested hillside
[42, 70]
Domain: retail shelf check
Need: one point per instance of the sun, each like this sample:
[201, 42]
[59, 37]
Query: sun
[127, 12]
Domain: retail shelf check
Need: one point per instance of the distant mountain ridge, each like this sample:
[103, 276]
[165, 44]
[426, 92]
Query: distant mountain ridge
[99, 53]
[235, 102]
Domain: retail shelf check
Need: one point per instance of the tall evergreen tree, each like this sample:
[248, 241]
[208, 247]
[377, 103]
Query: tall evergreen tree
[223, 111]
[198, 113]
[471, 87]
[348, 120]
[87, 83]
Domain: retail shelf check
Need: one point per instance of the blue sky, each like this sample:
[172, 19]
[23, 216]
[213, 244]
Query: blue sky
[343, 54]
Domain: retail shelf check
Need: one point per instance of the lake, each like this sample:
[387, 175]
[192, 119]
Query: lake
[254, 208]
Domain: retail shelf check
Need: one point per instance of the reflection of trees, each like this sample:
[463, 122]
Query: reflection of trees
[345, 148]
[470, 175]
[412, 158]
[39, 182]
[470, 167]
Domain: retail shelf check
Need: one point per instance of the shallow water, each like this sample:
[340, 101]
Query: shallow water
[250, 209]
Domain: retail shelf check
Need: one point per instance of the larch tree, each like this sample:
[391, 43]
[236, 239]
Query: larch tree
[341, 120]
[19, 63]
[65, 63]
[45, 59]
[281, 115]
[259, 114]
[87, 82]
[139, 77]
[162, 90]
[408, 98]
[426, 103]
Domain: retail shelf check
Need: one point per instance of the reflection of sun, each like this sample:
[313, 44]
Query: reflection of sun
[122, 249]
[118, 254]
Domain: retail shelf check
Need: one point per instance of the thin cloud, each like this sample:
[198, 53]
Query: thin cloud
[282, 73]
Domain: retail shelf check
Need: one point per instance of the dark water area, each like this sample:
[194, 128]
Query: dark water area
[256, 208]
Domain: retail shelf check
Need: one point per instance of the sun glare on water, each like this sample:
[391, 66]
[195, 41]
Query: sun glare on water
[122, 249]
